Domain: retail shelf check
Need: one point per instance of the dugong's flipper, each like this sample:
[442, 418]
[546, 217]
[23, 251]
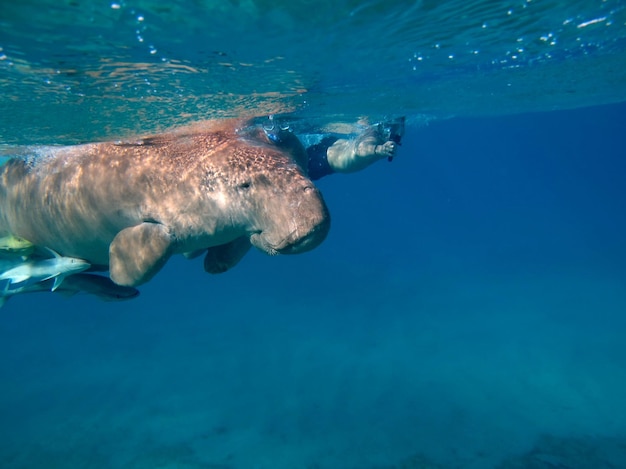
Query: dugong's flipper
[139, 252]
[219, 259]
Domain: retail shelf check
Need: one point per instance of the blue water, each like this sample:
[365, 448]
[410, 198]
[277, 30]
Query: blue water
[467, 309]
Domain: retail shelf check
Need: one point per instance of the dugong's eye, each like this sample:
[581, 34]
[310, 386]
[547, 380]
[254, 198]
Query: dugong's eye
[244, 185]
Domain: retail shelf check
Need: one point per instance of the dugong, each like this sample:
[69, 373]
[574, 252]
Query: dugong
[128, 206]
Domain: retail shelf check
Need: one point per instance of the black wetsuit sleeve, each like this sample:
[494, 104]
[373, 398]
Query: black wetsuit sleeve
[318, 159]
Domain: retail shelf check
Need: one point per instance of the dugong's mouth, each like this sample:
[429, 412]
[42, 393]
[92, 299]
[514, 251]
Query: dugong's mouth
[259, 242]
[293, 243]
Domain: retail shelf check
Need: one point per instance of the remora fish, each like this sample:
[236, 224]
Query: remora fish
[97, 285]
[16, 246]
[26, 272]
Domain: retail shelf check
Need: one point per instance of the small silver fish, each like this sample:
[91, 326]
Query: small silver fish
[26, 272]
[92, 284]
[16, 246]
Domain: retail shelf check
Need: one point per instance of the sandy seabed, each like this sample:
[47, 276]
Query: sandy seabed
[500, 373]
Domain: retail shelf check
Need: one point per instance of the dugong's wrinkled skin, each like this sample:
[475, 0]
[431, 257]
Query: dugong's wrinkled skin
[130, 206]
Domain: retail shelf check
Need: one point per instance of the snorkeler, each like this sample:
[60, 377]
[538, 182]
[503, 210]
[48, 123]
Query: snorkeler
[340, 155]
[329, 153]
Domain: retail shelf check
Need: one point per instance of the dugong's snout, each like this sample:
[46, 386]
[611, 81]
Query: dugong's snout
[311, 240]
[303, 223]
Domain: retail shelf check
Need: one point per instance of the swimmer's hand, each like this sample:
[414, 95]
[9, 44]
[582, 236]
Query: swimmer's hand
[386, 150]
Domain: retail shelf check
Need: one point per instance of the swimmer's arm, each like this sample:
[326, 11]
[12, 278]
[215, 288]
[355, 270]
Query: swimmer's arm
[347, 156]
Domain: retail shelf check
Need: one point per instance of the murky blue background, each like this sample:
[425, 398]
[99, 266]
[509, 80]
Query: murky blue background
[468, 308]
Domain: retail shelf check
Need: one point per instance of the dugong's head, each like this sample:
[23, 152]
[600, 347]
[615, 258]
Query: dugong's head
[283, 210]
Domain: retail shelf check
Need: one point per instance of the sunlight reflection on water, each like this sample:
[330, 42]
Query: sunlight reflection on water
[73, 72]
